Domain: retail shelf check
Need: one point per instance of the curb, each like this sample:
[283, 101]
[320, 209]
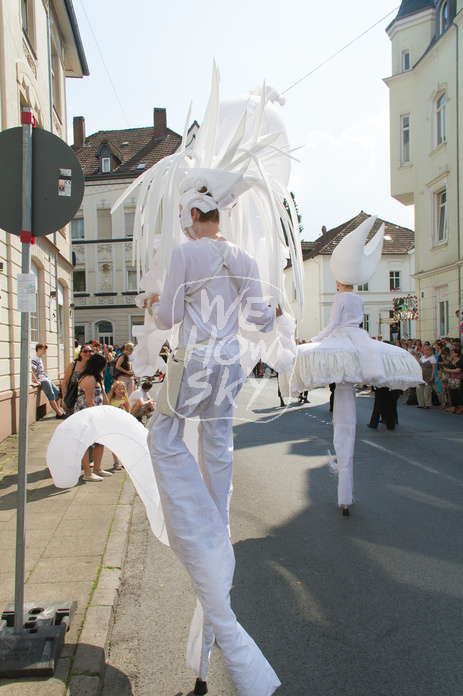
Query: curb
[86, 669]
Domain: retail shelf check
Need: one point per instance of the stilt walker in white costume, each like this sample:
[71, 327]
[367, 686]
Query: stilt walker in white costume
[211, 234]
[345, 354]
[228, 189]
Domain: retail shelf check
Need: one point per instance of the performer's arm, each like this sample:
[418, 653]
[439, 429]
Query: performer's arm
[169, 309]
[335, 319]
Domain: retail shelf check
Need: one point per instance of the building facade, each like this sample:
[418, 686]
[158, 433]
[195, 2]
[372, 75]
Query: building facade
[40, 46]
[426, 121]
[393, 280]
[105, 278]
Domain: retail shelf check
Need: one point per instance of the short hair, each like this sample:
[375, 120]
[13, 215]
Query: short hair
[212, 215]
[39, 346]
[146, 386]
[128, 346]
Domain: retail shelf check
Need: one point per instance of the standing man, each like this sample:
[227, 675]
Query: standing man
[39, 376]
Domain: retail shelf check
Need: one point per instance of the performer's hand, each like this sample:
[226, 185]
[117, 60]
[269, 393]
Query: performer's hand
[278, 311]
[154, 299]
[309, 341]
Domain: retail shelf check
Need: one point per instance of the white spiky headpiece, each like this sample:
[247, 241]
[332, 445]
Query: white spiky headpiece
[354, 263]
[242, 152]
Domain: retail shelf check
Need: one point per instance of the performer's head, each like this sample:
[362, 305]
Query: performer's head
[197, 208]
[342, 287]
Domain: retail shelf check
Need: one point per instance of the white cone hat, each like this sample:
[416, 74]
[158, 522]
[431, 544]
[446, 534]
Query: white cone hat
[353, 263]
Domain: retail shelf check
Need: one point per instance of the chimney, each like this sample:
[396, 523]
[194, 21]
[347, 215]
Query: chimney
[79, 131]
[160, 123]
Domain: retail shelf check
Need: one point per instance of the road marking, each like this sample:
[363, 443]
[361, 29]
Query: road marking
[429, 469]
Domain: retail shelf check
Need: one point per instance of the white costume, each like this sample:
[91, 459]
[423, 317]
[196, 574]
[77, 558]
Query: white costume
[241, 158]
[345, 354]
[196, 499]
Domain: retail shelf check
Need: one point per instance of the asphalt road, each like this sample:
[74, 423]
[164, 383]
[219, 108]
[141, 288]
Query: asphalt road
[366, 605]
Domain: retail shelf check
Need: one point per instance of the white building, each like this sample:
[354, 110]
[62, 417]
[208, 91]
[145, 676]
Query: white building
[425, 112]
[392, 280]
[40, 46]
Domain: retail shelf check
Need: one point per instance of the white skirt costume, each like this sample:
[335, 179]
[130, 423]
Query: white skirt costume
[345, 354]
[195, 496]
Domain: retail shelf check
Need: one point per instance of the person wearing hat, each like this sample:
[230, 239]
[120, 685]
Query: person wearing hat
[344, 354]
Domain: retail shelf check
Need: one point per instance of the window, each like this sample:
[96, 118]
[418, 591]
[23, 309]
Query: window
[440, 216]
[131, 279]
[444, 17]
[77, 228]
[440, 120]
[105, 333]
[363, 288]
[129, 219]
[135, 321]
[366, 322]
[27, 19]
[443, 317]
[105, 165]
[79, 281]
[394, 280]
[55, 80]
[405, 139]
[79, 334]
[104, 223]
[405, 60]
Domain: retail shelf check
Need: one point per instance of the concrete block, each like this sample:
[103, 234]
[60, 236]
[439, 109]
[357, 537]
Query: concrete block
[105, 596]
[110, 578]
[97, 627]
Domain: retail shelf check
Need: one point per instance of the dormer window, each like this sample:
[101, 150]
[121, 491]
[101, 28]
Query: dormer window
[106, 165]
[109, 158]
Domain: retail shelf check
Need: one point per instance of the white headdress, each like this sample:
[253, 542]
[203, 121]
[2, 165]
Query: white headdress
[241, 156]
[242, 153]
[353, 263]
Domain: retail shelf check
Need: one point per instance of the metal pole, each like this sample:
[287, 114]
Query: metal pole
[24, 378]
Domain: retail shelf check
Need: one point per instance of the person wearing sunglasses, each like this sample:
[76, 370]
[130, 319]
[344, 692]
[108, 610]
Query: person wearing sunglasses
[74, 369]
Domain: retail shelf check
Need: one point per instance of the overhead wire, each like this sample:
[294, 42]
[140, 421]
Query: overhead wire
[341, 50]
[105, 66]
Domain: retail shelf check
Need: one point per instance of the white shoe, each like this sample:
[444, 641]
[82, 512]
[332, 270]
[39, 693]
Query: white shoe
[104, 473]
[92, 477]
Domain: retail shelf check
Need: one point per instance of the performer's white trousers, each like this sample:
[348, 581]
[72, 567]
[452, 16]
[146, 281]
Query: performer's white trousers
[344, 421]
[196, 508]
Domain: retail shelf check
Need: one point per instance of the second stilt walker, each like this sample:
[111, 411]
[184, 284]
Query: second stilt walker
[344, 354]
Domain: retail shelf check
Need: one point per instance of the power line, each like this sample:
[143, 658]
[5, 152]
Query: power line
[105, 67]
[341, 50]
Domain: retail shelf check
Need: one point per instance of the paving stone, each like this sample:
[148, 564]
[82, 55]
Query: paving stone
[89, 658]
[8, 562]
[80, 546]
[79, 511]
[84, 686]
[59, 570]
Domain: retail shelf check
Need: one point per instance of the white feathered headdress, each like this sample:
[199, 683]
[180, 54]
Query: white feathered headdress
[242, 152]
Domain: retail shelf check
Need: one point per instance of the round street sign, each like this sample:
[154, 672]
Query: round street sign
[57, 182]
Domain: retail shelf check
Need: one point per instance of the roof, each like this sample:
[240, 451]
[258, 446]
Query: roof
[402, 239]
[132, 146]
[409, 7]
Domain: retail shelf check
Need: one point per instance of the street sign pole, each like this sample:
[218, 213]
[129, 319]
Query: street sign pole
[41, 189]
[26, 237]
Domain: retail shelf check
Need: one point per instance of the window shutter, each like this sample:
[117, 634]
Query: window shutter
[104, 223]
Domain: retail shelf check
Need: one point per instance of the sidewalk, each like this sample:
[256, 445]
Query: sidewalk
[75, 546]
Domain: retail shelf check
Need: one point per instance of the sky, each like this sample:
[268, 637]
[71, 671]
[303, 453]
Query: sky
[160, 54]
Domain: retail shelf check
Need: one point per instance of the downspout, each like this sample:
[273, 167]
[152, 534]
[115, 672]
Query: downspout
[50, 106]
